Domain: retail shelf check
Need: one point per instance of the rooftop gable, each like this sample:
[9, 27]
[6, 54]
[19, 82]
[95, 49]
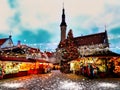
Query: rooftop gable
[2, 41]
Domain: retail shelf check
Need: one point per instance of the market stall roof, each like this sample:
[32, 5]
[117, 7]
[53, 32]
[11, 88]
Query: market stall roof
[30, 49]
[21, 49]
[20, 59]
[104, 54]
[39, 60]
[42, 61]
[14, 49]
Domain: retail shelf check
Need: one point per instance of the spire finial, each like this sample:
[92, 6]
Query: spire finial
[63, 8]
[63, 23]
[105, 26]
[10, 34]
[63, 5]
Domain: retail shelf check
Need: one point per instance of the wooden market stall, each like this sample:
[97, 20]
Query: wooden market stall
[97, 65]
[19, 66]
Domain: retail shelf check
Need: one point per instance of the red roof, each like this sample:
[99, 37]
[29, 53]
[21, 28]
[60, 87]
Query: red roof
[3, 40]
[33, 50]
[30, 49]
[20, 59]
[98, 38]
[49, 54]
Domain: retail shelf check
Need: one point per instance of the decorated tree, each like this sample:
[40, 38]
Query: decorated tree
[70, 52]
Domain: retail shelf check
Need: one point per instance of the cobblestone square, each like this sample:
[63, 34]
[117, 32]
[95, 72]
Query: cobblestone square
[59, 81]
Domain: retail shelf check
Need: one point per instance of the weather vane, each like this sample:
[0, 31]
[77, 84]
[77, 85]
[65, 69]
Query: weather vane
[105, 27]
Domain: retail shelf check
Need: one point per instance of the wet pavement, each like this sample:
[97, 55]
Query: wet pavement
[59, 81]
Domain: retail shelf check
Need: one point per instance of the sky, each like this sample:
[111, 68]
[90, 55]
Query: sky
[37, 22]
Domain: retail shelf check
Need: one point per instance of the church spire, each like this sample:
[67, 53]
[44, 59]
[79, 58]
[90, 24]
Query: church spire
[105, 27]
[63, 23]
[106, 37]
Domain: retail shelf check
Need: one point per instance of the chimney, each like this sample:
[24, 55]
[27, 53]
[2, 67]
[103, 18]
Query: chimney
[19, 43]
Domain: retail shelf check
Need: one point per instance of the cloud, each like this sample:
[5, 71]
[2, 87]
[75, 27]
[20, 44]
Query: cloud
[5, 13]
[37, 14]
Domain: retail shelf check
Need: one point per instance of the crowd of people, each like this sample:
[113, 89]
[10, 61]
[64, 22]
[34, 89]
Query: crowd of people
[90, 71]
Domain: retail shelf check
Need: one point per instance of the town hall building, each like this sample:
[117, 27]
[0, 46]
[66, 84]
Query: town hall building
[87, 45]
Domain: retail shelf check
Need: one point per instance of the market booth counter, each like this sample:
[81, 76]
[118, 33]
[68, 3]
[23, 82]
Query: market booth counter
[89, 67]
[16, 66]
